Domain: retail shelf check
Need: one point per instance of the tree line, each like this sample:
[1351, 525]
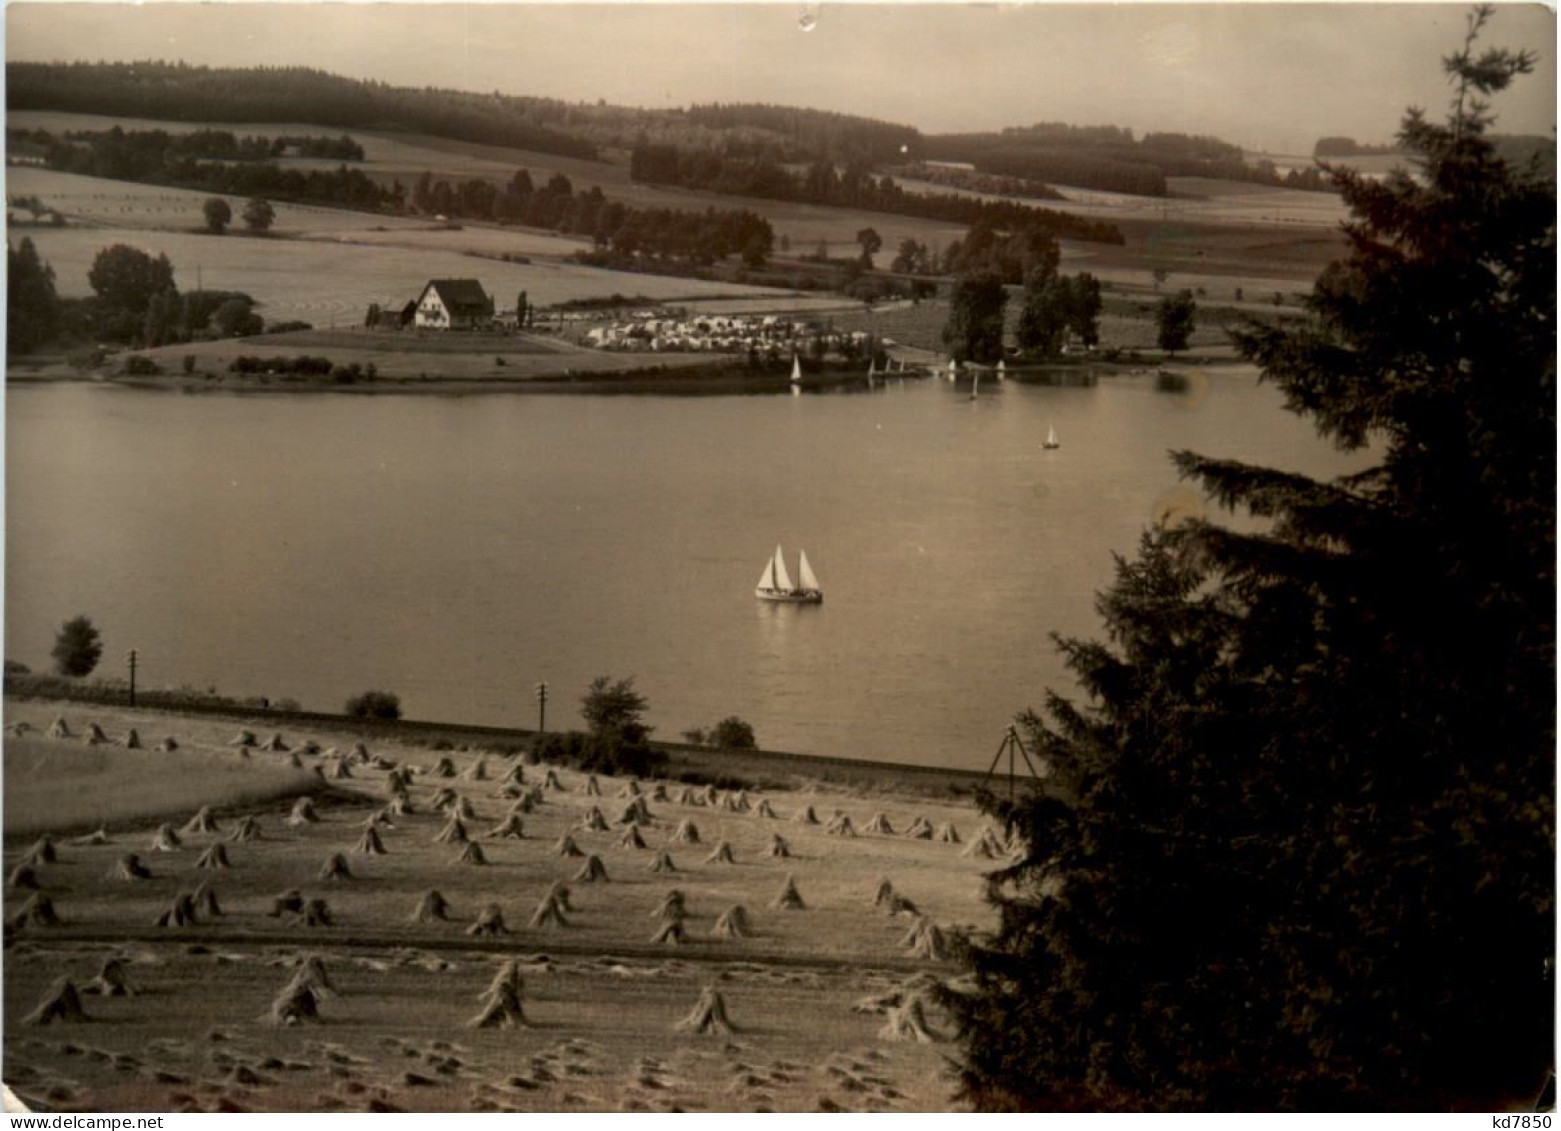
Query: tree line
[213, 145]
[172, 91]
[697, 237]
[161, 158]
[852, 187]
[822, 134]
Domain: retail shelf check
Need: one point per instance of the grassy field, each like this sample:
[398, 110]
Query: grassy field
[601, 998]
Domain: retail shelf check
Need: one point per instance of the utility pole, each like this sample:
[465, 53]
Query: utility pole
[542, 707]
[1011, 745]
[131, 659]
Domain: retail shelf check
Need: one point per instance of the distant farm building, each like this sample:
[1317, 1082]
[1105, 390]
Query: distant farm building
[453, 304]
[392, 316]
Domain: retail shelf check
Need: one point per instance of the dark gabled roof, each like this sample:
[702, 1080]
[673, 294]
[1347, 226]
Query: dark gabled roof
[461, 296]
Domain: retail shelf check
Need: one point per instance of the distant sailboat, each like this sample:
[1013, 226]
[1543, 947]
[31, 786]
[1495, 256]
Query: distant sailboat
[1002, 370]
[872, 370]
[975, 385]
[775, 583]
[953, 370]
[1051, 438]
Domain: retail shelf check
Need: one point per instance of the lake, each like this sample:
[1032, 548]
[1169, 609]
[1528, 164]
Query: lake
[457, 550]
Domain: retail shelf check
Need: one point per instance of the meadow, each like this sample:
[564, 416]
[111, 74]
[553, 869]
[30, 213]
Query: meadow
[603, 990]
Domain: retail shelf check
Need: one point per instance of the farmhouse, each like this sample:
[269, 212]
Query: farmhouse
[453, 304]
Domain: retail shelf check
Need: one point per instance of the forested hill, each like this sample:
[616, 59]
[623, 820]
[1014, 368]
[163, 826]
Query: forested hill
[1108, 157]
[177, 92]
[1104, 157]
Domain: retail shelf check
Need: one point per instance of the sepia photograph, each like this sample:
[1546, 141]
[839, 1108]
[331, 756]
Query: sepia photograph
[779, 557]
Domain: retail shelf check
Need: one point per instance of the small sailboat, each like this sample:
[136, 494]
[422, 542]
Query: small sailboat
[775, 583]
[1051, 440]
[953, 370]
[1002, 370]
[796, 370]
[872, 371]
[975, 385]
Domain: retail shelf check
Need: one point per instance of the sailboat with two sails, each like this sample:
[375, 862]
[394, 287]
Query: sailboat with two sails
[775, 583]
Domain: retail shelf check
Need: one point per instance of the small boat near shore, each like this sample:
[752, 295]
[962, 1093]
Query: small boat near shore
[775, 583]
[1051, 440]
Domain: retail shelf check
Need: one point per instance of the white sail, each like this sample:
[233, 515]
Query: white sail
[767, 578]
[806, 572]
[975, 385]
[1002, 369]
[872, 368]
[1051, 436]
[796, 370]
[782, 578]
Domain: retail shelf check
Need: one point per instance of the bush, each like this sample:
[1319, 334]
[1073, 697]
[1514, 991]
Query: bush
[138, 366]
[374, 705]
[189, 363]
[731, 733]
[302, 365]
[16, 667]
[565, 748]
[694, 736]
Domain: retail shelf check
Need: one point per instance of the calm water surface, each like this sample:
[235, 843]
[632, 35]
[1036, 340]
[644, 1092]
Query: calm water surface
[458, 550]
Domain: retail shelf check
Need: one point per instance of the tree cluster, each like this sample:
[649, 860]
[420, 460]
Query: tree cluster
[32, 306]
[1056, 306]
[374, 705]
[821, 134]
[157, 157]
[696, 237]
[617, 741]
[1298, 846]
[1013, 255]
[974, 330]
[1175, 320]
[851, 187]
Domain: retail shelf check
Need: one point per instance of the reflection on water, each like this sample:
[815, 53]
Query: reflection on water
[458, 550]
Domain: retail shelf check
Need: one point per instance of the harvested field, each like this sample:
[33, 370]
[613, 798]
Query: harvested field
[62, 786]
[592, 1016]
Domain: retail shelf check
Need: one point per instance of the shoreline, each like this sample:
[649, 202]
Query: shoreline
[687, 380]
[759, 768]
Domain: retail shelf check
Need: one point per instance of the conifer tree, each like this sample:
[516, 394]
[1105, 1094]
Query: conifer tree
[1298, 850]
